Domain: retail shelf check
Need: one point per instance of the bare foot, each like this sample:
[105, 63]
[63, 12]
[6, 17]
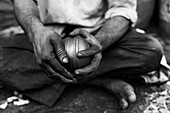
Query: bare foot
[123, 91]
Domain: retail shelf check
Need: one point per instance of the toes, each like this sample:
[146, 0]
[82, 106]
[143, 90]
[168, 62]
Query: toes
[126, 95]
[123, 103]
[122, 90]
[129, 93]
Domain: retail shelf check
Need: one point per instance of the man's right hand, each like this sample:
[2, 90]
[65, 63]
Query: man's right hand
[47, 44]
[50, 54]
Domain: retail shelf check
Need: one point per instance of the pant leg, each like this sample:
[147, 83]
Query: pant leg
[133, 55]
[19, 71]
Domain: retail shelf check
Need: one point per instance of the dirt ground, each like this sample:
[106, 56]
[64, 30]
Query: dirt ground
[88, 99]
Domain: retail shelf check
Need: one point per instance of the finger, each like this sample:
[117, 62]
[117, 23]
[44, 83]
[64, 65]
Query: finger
[75, 32]
[65, 80]
[89, 52]
[52, 74]
[53, 61]
[90, 38]
[59, 49]
[75, 80]
[82, 33]
[92, 67]
[96, 47]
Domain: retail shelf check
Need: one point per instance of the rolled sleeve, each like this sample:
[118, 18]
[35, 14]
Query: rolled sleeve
[125, 8]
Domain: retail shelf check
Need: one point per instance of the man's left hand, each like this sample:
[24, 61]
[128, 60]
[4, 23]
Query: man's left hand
[94, 50]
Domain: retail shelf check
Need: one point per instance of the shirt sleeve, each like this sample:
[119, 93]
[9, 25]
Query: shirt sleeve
[125, 8]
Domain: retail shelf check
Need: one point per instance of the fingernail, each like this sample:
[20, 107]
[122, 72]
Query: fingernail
[79, 54]
[76, 72]
[65, 60]
[72, 33]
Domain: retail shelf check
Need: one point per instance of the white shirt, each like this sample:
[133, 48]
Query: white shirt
[164, 9]
[88, 13]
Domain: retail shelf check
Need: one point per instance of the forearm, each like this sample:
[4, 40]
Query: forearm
[112, 30]
[27, 15]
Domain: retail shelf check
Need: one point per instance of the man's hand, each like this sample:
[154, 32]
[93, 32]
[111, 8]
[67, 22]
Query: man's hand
[47, 44]
[50, 54]
[94, 50]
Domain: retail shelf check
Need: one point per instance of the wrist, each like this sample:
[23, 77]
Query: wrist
[34, 28]
[101, 38]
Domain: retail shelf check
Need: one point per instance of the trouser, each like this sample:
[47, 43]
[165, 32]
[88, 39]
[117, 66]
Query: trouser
[134, 54]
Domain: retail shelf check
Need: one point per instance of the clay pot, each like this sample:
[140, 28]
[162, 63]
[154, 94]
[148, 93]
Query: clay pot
[72, 47]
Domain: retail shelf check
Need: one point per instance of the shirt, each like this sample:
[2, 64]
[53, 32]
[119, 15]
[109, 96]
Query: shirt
[88, 13]
[164, 10]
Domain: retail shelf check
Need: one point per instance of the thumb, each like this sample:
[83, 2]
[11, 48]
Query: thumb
[59, 49]
[75, 32]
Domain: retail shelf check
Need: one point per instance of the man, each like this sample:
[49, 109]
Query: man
[120, 52]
